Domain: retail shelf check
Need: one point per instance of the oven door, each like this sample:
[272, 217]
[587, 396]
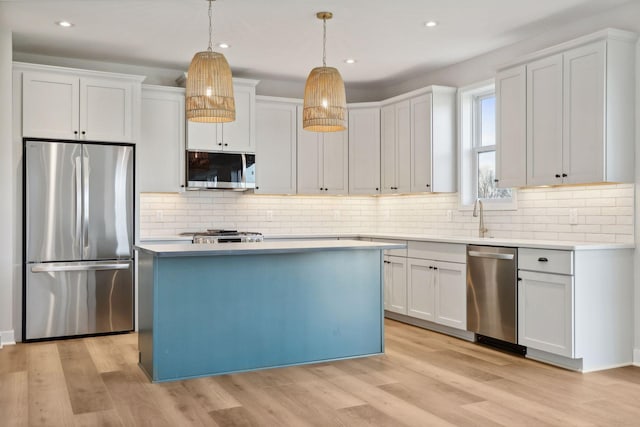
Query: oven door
[229, 171]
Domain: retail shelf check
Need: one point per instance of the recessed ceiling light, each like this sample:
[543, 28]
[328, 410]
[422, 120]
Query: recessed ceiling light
[430, 24]
[350, 61]
[65, 24]
[224, 45]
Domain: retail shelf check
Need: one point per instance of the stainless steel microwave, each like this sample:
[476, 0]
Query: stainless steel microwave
[224, 171]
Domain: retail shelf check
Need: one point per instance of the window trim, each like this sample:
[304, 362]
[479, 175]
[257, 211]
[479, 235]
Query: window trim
[468, 117]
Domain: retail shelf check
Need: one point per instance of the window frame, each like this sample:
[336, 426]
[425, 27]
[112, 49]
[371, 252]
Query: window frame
[469, 147]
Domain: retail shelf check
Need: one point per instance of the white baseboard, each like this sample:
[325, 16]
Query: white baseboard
[7, 338]
[636, 357]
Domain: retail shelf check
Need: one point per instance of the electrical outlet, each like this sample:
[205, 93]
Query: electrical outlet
[449, 215]
[573, 216]
[159, 215]
[269, 216]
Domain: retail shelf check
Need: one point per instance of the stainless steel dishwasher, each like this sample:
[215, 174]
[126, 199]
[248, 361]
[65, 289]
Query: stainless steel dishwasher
[492, 295]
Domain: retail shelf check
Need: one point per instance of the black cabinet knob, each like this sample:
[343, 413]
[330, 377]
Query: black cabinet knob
[326, 189]
[428, 185]
[496, 180]
[257, 188]
[84, 133]
[430, 267]
[75, 132]
[377, 189]
[226, 145]
[220, 143]
[564, 175]
[557, 175]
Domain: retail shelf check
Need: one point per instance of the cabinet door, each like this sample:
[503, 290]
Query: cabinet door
[403, 147]
[364, 151]
[310, 157]
[238, 136]
[584, 113]
[511, 127]
[335, 164]
[160, 151]
[421, 124]
[421, 286]
[204, 136]
[545, 312]
[388, 152]
[544, 120]
[106, 110]
[275, 148]
[50, 105]
[395, 284]
[451, 294]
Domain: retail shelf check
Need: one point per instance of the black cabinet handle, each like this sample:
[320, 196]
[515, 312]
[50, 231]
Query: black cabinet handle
[557, 175]
[430, 267]
[181, 185]
[428, 185]
[564, 175]
[496, 180]
[519, 279]
[435, 268]
[543, 259]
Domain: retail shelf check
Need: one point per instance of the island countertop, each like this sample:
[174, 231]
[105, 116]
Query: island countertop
[257, 248]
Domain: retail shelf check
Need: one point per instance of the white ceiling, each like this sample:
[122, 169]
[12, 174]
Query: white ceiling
[283, 38]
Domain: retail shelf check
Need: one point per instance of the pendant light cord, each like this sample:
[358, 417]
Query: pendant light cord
[210, 26]
[324, 42]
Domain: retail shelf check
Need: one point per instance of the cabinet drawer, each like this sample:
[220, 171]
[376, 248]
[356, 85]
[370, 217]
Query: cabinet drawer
[448, 252]
[394, 252]
[545, 260]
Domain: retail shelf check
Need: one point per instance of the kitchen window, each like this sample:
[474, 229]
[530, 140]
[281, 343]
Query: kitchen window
[478, 149]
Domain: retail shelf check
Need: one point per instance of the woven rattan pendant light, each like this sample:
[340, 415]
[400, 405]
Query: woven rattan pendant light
[209, 94]
[325, 103]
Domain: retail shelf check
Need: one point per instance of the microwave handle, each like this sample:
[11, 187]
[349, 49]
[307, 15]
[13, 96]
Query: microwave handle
[244, 169]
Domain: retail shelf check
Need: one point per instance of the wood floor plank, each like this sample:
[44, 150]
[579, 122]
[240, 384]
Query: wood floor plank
[13, 358]
[209, 394]
[132, 400]
[13, 399]
[48, 396]
[234, 417]
[368, 415]
[86, 391]
[108, 356]
[109, 418]
[180, 406]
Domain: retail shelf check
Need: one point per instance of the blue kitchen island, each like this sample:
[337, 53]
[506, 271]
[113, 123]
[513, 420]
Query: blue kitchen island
[215, 309]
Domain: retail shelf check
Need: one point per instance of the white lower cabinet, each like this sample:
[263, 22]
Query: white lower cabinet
[546, 312]
[395, 284]
[437, 292]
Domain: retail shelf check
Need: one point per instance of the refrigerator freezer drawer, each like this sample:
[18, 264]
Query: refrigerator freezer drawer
[77, 298]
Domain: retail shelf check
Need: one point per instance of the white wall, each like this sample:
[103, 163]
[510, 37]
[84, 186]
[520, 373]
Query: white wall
[7, 185]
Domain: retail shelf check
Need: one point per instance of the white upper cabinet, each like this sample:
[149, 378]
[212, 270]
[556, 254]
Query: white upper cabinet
[544, 119]
[276, 147]
[160, 151]
[580, 113]
[584, 113]
[418, 142]
[364, 150]
[237, 136]
[322, 161]
[74, 104]
[396, 147]
[511, 127]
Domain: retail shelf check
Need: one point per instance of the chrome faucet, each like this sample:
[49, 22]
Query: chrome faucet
[482, 230]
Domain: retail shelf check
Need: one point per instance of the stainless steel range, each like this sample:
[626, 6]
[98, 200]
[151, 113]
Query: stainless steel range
[224, 236]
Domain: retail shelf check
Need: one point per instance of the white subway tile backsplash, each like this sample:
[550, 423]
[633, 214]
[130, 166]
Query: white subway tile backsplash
[605, 214]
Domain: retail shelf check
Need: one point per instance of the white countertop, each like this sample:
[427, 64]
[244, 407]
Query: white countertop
[489, 241]
[259, 248]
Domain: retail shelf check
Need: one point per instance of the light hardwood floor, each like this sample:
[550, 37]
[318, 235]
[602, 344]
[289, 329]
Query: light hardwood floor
[424, 379]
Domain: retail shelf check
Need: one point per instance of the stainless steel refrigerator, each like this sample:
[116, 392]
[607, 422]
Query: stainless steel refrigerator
[78, 238]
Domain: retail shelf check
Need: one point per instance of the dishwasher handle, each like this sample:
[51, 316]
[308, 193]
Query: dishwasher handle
[490, 255]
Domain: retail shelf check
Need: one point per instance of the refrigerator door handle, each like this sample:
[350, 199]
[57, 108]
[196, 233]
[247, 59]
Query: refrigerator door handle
[78, 194]
[85, 202]
[48, 268]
